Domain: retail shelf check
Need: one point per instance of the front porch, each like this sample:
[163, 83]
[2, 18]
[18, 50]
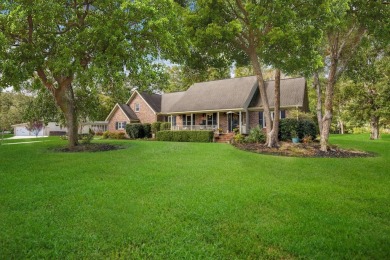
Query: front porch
[219, 122]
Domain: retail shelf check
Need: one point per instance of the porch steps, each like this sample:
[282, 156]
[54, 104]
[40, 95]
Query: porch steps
[224, 138]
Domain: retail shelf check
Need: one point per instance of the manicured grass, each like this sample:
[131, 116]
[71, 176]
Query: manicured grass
[193, 200]
[6, 135]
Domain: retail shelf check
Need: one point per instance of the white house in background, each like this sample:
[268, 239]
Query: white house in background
[53, 128]
[21, 130]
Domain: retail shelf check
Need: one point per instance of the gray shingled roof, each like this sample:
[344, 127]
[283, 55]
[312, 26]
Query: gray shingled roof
[218, 94]
[128, 111]
[292, 93]
[154, 100]
[169, 99]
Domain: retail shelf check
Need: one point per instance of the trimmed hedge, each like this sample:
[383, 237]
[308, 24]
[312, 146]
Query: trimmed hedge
[186, 136]
[135, 131]
[147, 130]
[303, 128]
[156, 127]
[165, 126]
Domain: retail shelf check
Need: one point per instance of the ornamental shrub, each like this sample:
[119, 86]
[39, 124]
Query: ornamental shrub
[239, 138]
[186, 136]
[106, 135]
[147, 130]
[286, 126]
[85, 138]
[304, 127]
[256, 135]
[135, 131]
[156, 127]
[307, 127]
[165, 126]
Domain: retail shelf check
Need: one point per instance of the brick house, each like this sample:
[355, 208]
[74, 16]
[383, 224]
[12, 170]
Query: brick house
[221, 104]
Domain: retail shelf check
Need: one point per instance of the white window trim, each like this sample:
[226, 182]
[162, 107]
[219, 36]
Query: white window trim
[121, 125]
[272, 116]
[137, 107]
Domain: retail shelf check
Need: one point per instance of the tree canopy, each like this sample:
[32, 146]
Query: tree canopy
[86, 42]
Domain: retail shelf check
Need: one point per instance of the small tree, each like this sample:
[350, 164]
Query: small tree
[35, 127]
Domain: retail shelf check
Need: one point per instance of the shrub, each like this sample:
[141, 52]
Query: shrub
[85, 138]
[165, 126]
[156, 127]
[185, 136]
[305, 127]
[91, 132]
[239, 138]
[286, 126]
[256, 135]
[121, 135]
[106, 135]
[147, 130]
[135, 131]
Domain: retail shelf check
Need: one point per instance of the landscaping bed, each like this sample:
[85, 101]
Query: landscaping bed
[90, 148]
[302, 150]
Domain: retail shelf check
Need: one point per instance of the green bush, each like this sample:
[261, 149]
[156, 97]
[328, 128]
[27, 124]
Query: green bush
[186, 136]
[85, 138]
[147, 130]
[165, 126]
[106, 135]
[304, 127]
[239, 138]
[286, 127]
[307, 128]
[256, 135]
[135, 131]
[156, 127]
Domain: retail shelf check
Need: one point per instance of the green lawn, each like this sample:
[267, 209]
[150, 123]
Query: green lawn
[188, 200]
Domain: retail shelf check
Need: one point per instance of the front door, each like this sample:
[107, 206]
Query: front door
[233, 121]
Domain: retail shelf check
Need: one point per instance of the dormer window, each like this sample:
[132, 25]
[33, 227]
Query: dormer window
[136, 107]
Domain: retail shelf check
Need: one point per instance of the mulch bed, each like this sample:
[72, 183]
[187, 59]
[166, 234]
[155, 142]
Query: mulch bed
[90, 148]
[303, 150]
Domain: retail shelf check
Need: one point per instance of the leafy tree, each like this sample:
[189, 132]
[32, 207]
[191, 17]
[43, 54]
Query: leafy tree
[349, 23]
[12, 106]
[67, 43]
[35, 127]
[276, 33]
[368, 91]
[182, 77]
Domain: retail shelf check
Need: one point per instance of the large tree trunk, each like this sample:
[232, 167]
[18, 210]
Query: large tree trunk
[264, 99]
[328, 111]
[273, 135]
[317, 86]
[64, 97]
[374, 123]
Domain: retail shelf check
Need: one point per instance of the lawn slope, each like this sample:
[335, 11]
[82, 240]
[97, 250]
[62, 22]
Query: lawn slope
[189, 200]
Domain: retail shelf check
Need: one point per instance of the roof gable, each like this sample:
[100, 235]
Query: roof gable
[219, 94]
[127, 111]
[292, 93]
[151, 99]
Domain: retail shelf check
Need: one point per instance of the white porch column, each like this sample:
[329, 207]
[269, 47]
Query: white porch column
[240, 124]
[192, 120]
[171, 122]
[247, 120]
[217, 121]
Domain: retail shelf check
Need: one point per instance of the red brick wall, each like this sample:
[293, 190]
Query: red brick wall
[223, 123]
[145, 114]
[118, 116]
[253, 119]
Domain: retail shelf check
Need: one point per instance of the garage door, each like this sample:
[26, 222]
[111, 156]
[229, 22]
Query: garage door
[22, 131]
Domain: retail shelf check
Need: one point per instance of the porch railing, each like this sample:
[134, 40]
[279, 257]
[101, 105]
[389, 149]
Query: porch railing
[195, 127]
